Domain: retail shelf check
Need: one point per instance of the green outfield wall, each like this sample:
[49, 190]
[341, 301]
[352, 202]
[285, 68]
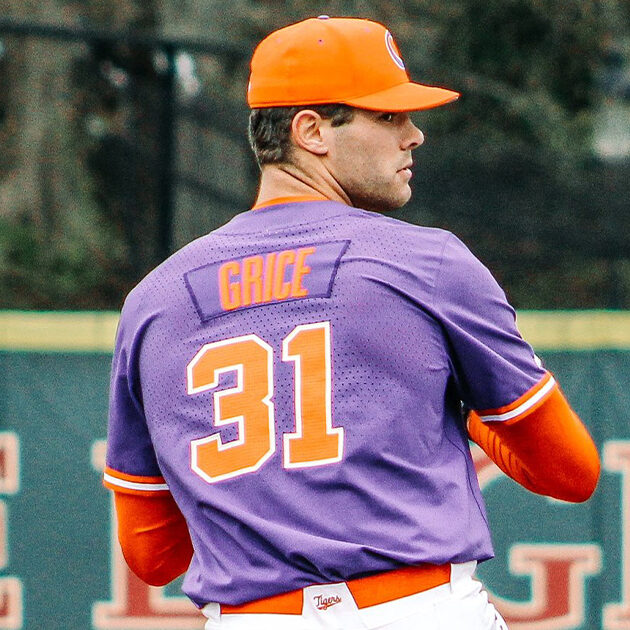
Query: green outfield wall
[558, 566]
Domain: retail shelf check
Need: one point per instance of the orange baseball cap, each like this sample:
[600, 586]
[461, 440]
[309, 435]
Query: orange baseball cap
[336, 60]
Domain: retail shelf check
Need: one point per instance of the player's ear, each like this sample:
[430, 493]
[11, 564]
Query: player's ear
[306, 131]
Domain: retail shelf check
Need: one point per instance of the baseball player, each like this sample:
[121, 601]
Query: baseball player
[292, 395]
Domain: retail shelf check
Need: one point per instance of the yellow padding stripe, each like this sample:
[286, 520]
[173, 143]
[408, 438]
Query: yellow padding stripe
[575, 330]
[57, 331]
[52, 331]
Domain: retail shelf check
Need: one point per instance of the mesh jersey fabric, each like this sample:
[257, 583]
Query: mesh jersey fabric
[417, 327]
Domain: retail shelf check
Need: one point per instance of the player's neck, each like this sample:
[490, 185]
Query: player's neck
[287, 180]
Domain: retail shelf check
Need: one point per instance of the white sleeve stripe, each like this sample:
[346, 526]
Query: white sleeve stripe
[523, 407]
[134, 485]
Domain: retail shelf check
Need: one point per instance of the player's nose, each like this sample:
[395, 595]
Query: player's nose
[414, 137]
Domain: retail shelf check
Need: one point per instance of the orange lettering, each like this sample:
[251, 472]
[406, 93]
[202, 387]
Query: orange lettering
[315, 441]
[282, 289]
[259, 280]
[270, 264]
[248, 405]
[230, 292]
[300, 270]
[252, 279]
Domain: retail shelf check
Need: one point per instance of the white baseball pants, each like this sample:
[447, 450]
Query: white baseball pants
[461, 604]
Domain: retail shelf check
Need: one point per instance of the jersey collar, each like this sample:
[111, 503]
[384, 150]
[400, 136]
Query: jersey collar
[276, 201]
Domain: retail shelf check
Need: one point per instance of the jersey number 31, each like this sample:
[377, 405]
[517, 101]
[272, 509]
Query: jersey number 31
[248, 404]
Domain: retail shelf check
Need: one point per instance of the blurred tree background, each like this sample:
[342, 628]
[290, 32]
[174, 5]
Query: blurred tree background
[117, 151]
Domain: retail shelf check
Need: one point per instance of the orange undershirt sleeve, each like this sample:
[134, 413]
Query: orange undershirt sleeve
[548, 451]
[153, 536]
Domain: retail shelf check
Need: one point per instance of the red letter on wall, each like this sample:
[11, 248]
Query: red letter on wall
[11, 606]
[557, 574]
[616, 616]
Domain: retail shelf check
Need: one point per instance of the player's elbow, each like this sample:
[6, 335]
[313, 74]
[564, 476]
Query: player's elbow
[576, 493]
[580, 479]
[590, 477]
[153, 570]
[156, 559]
[158, 578]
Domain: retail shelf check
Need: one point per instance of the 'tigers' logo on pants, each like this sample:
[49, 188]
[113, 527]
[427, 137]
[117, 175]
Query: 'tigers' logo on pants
[323, 603]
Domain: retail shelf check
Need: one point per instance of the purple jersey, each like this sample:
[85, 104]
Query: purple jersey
[295, 379]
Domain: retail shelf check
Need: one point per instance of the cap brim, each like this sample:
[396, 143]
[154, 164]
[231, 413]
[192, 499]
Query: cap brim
[406, 97]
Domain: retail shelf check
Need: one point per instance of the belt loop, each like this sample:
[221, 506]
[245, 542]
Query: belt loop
[212, 611]
[462, 571]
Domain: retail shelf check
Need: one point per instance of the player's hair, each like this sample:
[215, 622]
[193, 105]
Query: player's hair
[270, 129]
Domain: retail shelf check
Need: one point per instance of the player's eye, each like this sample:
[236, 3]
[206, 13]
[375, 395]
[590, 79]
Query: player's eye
[387, 116]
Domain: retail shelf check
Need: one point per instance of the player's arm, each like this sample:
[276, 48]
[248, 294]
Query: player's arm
[153, 536]
[151, 529]
[536, 439]
[547, 449]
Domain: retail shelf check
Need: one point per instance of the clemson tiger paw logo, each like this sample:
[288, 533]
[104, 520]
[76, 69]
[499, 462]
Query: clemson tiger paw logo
[393, 51]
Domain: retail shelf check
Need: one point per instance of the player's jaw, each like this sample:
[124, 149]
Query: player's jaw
[379, 190]
[385, 184]
[376, 163]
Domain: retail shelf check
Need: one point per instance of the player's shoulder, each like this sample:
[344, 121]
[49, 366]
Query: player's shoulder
[452, 261]
[401, 229]
[406, 240]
